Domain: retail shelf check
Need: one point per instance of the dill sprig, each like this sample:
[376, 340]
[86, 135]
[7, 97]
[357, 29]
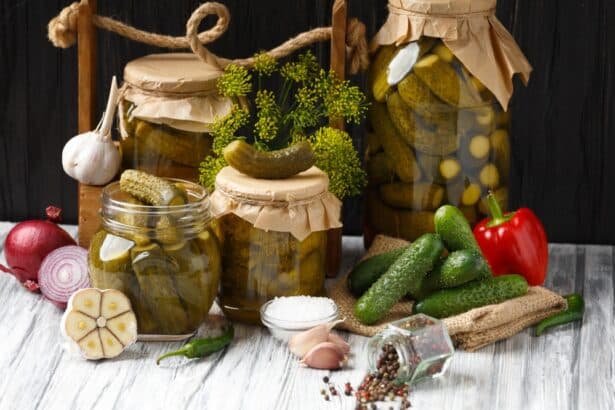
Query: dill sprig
[336, 156]
[268, 116]
[264, 64]
[236, 81]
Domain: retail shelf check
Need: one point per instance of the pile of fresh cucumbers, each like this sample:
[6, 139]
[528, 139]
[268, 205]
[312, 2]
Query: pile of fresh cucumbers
[445, 273]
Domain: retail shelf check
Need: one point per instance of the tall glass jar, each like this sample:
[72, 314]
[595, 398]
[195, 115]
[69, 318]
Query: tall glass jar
[273, 237]
[168, 104]
[438, 128]
[165, 259]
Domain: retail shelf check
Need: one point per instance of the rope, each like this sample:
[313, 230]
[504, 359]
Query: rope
[62, 32]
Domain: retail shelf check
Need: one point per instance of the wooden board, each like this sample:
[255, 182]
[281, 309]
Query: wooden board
[569, 368]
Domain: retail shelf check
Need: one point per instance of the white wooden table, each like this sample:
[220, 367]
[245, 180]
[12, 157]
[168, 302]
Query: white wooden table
[571, 368]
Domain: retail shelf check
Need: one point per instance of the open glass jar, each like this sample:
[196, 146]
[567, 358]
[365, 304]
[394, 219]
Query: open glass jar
[168, 104]
[273, 238]
[165, 259]
[438, 129]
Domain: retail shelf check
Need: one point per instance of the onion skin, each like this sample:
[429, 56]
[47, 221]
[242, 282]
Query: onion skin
[29, 242]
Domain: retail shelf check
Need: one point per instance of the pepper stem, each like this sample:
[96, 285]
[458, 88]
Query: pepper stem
[497, 217]
[180, 352]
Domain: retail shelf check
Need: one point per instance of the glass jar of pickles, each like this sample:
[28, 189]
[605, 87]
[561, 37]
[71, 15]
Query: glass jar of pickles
[168, 104]
[166, 259]
[273, 238]
[438, 127]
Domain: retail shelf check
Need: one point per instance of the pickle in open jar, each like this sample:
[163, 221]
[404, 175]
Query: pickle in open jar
[378, 72]
[154, 271]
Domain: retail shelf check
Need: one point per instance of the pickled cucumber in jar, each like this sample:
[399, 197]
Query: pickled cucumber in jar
[170, 279]
[259, 265]
[436, 135]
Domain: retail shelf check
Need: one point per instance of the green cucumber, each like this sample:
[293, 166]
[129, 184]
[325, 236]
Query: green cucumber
[457, 268]
[455, 231]
[403, 276]
[450, 302]
[369, 270]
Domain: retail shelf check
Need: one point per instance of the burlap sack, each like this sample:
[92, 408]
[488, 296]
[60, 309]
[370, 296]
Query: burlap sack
[470, 330]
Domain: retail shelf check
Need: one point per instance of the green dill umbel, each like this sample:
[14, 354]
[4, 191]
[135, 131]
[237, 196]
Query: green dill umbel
[308, 98]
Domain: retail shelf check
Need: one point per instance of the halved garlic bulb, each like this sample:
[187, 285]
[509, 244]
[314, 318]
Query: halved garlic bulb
[101, 323]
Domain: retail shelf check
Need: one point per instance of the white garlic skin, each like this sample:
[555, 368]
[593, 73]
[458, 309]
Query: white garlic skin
[90, 159]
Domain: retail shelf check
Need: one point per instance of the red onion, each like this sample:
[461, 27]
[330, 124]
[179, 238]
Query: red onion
[29, 242]
[62, 273]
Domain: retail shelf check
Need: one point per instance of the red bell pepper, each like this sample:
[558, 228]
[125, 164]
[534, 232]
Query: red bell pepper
[515, 242]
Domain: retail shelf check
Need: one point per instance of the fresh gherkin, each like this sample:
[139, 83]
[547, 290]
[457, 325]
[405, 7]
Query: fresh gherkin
[395, 148]
[151, 189]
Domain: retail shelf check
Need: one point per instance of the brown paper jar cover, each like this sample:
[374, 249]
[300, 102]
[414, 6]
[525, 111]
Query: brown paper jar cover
[470, 29]
[300, 204]
[174, 89]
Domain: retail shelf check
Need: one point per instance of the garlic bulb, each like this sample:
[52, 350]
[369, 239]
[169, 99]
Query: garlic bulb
[92, 158]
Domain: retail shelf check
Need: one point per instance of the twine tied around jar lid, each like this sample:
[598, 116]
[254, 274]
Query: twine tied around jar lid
[62, 31]
[470, 29]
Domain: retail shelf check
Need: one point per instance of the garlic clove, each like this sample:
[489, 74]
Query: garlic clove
[302, 342]
[339, 341]
[325, 355]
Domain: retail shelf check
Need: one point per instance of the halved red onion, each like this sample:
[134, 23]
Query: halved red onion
[63, 272]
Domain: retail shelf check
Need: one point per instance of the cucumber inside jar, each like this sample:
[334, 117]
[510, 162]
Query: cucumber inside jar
[436, 136]
[260, 265]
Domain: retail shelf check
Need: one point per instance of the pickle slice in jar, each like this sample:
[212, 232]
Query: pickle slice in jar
[471, 194]
[449, 169]
[500, 152]
[489, 176]
[154, 271]
[396, 149]
[378, 72]
[475, 151]
[417, 196]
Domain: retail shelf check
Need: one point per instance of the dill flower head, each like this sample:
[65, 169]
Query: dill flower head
[224, 129]
[209, 169]
[236, 81]
[264, 64]
[302, 70]
[341, 99]
[337, 157]
[268, 115]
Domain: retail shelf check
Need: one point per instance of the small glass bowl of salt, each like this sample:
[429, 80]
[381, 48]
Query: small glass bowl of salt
[288, 315]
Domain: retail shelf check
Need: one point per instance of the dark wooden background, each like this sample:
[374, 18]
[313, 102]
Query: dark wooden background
[563, 123]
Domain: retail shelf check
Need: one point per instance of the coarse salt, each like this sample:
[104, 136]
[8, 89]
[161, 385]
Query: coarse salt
[300, 308]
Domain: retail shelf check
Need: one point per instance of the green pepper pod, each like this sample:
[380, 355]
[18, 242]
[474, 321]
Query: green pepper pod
[198, 348]
[574, 312]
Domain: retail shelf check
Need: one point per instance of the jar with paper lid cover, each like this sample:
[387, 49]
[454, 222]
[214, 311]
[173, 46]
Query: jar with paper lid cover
[273, 236]
[440, 83]
[167, 107]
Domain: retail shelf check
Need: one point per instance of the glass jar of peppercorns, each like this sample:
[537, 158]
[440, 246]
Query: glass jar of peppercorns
[420, 344]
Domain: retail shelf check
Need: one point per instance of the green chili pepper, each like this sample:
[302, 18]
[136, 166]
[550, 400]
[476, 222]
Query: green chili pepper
[198, 348]
[573, 312]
